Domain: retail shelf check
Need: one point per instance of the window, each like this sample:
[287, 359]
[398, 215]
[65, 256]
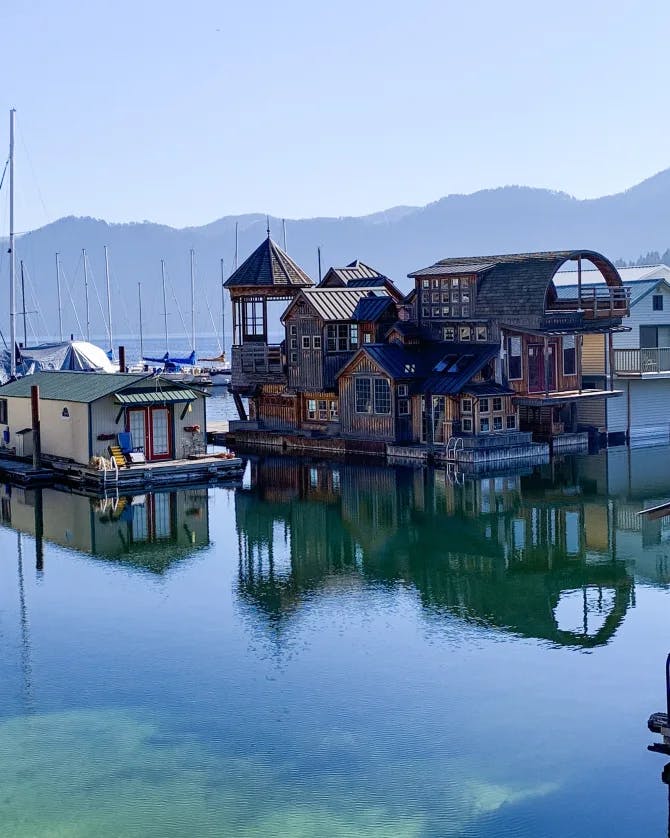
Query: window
[514, 358]
[464, 333]
[511, 423]
[341, 337]
[569, 355]
[334, 414]
[466, 424]
[363, 395]
[3, 412]
[497, 403]
[436, 311]
[294, 357]
[484, 425]
[323, 410]
[483, 405]
[448, 333]
[403, 407]
[481, 333]
[410, 368]
[497, 423]
[436, 283]
[367, 338]
[294, 343]
[403, 390]
[425, 311]
[316, 341]
[425, 283]
[293, 329]
[252, 313]
[311, 409]
[657, 302]
[305, 342]
[382, 395]
[435, 297]
[466, 406]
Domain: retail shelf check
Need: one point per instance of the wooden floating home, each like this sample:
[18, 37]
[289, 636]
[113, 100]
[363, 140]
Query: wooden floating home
[480, 363]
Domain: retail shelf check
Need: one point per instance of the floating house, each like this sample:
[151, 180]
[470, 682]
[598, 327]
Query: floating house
[639, 363]
[155, 424]
[479, 363]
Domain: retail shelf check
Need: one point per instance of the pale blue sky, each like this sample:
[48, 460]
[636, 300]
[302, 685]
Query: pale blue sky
[181, 112]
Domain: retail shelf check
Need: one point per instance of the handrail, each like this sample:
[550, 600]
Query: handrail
[642, 359]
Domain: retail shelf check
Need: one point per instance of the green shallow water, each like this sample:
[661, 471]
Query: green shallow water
[335, 649]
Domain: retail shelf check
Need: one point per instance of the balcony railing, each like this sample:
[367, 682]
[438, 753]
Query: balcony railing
[596, 302]
[640, 361]
[259, 363]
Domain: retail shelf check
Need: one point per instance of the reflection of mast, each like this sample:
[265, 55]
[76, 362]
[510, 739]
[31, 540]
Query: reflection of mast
[26, 665]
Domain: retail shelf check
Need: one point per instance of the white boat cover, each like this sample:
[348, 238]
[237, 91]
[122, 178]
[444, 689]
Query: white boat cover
[76, 355]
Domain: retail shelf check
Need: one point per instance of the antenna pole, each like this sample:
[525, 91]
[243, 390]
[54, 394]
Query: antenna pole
[167, 349]
[60, 307]
[139, 300]
[192, 301]
[12, 264]
[109, 301]
[88, 318]
[23, 299]
[318, 250]
[223, 312]
[283, 224]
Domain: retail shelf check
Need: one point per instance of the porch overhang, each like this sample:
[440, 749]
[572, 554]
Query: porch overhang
[140, 397]
[590, 328]
[564, 397]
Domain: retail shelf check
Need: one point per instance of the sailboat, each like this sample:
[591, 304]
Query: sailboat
[218, 366]
[184, 370]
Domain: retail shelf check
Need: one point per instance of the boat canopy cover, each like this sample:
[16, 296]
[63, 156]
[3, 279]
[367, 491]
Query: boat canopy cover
[172, 364]
[76, 355]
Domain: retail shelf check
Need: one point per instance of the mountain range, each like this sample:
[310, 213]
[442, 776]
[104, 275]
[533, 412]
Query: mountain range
[395, 241]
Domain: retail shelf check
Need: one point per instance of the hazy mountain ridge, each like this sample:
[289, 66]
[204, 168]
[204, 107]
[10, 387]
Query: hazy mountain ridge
[396, 241]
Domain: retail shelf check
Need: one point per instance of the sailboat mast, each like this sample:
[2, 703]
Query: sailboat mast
[235, 262]
[192, 301]
[109, 302]
[167, 348]
[23, 305]
[60, 307]
[223, 312]
[12, 264]
[88, 316]
[139, 300]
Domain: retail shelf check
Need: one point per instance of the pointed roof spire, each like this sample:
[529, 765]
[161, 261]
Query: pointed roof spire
[267, 219]
[267, 266]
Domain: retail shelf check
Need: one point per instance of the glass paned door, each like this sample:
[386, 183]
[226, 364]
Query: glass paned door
[160, 433]
[137, 425]
[536, 382]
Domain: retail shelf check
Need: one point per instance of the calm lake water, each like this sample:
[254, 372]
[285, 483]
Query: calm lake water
[331, 649]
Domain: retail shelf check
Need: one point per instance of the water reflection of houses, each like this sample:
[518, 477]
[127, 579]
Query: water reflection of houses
[149, 530]
[531, 554]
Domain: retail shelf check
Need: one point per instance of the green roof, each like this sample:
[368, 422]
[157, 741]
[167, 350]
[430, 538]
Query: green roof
[64, 386]
[155, 396]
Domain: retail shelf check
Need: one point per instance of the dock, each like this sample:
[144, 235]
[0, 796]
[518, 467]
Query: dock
[22, 473]
[217, 432]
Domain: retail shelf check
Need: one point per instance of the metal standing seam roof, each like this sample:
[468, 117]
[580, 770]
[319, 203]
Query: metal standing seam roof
[370, 308]
[339, 303]
[155, 396]
[355, 271]
[84, 387]
[418, 364]
[269, 266]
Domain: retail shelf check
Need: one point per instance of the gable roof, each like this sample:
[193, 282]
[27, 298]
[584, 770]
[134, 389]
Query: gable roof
[268, 266]
[516, 283]
[372, 307]
[355, 271]
[63, 386]
[335, 303]
[440, 368]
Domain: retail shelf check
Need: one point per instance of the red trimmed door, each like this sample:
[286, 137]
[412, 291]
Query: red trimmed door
[151, 428]
[536, 378]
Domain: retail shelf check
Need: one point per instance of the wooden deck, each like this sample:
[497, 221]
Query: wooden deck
[23, 473]
[149, 475]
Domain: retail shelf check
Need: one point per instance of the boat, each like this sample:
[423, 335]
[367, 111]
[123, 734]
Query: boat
[218, 367]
